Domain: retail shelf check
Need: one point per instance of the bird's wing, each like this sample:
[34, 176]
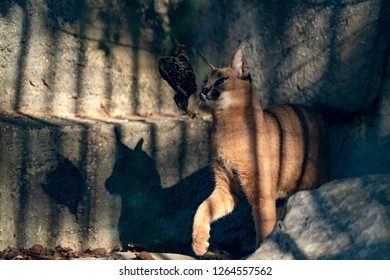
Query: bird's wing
[175, 87]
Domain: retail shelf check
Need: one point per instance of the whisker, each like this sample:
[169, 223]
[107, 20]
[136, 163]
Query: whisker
[196, 50]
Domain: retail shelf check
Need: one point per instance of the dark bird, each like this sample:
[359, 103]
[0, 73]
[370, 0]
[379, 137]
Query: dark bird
[177, 70]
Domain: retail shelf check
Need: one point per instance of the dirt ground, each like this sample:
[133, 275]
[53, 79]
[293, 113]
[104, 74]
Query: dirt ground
[39, 252]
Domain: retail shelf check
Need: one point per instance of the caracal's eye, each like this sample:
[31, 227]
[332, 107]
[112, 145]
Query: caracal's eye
[220, 81]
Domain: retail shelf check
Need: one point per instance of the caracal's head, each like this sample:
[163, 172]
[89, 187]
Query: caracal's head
[228, 86]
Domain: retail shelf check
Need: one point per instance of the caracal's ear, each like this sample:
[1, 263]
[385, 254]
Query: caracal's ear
[139, 145]
[239, 64]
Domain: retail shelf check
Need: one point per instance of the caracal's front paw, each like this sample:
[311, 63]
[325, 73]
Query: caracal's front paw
[200, 248]
[200, 242]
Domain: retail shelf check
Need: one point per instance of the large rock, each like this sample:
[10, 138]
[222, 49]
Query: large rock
[361, 147]
[344, 219]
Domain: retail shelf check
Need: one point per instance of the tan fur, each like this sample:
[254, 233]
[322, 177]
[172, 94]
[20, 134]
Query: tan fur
[263, 154]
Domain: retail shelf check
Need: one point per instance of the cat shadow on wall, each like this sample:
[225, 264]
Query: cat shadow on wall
[136, 180]
[65, 184]
[160, 219]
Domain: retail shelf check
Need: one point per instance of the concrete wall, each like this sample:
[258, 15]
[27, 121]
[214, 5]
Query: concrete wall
[88, 184]
[89, 58]
[74, 72]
